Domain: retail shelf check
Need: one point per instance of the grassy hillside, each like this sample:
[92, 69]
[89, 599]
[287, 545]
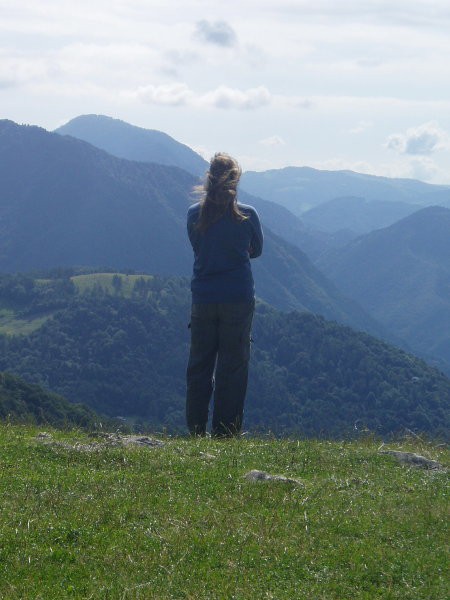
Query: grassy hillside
[14, 320]
[109, 282]
[11, 324]
[181, 521]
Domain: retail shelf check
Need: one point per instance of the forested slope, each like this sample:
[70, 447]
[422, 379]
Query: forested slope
[125, 352]
[21, 402]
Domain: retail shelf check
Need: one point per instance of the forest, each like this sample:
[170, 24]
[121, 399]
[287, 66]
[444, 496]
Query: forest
[21, 402]
[119, 344]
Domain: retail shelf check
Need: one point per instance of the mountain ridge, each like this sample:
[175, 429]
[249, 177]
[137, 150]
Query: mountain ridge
[401, 275]
[124, 140]
[302, 188]
[68, 203]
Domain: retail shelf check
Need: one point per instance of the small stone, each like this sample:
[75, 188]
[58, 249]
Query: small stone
[413, 459]
[256, 475]
[206, 455]
[140, 441]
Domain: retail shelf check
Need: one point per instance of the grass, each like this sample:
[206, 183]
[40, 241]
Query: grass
[105, 280]
[11, 325]
[181, 521]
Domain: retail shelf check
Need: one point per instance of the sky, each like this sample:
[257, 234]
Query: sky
[332, 84]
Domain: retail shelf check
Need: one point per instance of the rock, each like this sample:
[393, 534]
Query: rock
[109, 440]
[256, 475]
[413, 459]
[140, 441]
[207, 455]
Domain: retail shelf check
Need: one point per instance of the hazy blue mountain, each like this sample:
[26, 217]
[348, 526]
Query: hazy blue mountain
[401, 275]
[302, 188]
[146, 145]
[292, 229]
[65, 202]
[123, 349]
[135, 143]
[68, 203]
[358, 215]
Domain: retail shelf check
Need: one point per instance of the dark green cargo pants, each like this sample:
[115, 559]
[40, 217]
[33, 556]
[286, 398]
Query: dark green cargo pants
[218, 362]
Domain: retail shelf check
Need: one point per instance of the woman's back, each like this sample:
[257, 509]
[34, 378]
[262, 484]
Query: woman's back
[222, 271]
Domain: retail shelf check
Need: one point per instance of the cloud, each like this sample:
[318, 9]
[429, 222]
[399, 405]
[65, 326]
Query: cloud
[272, 141]
[228, 98]
[422, 140]
[417, 167]
[219, 33]
[361, 127]
[8, 84]
[423, 168]
[175, 94]
[179, 94]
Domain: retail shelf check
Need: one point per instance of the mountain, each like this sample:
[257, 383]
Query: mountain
[21, 402]
[146, 145]
[66, 203]
[302, 188]
[120, 344]
[358, 215]
[134, 143]
[401, 275]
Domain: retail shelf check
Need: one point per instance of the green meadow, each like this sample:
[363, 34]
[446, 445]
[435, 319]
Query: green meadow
[81, 519]
[13, 323]
[107, 281]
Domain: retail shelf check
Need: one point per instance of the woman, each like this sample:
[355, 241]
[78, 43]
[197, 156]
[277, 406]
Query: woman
[224, 236]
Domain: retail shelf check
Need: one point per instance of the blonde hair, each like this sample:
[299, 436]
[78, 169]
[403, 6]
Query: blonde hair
[218, 194]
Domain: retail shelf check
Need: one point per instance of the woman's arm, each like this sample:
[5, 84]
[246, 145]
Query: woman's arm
[257, 241]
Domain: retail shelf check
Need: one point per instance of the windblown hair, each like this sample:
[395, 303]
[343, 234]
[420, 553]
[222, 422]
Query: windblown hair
[218, 194]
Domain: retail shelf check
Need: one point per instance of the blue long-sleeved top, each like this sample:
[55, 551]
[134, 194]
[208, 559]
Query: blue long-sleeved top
[222, 271]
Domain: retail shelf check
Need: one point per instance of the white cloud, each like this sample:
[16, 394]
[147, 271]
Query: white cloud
[228, 98]
[422, 140]
[175, 94]
[423, 168]
[219, 33]
[272, 141]
[223, 97]
[331, 78]
[361, 127]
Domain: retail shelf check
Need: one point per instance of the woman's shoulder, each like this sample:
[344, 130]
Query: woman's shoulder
[249, 211]
[193, 209]
[247, 208]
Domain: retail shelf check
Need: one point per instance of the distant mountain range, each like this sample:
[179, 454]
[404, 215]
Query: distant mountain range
[147, 145]
[66, 203]
[356, 215]
[347, 203]
[401, 275]
[301, 188]
[79, 205]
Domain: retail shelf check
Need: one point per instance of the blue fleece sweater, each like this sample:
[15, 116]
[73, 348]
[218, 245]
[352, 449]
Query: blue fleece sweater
[222, 271]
